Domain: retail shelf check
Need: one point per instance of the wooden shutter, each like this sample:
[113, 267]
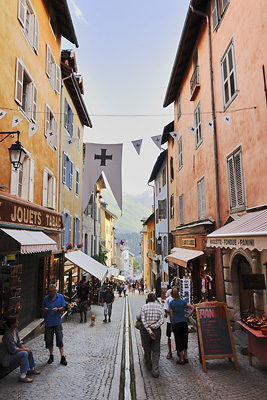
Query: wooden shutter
[64, 171]
[36, 35]
[53, 192]
[31, 180]
[199, 199]
[214, 14]
[71, 174]
[224, 4]
[47, 118]
[14, 182]
[66, 118]
[19, 82]
[203, 199]
[232, 186]
[58, 79]
[22, 12]
[45, 187]
[239, 179]
[48, 61]
[181, 209]
[34, 103]
[160, 205]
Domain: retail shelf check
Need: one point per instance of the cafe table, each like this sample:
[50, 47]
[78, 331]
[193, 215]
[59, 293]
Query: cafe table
[257, 343]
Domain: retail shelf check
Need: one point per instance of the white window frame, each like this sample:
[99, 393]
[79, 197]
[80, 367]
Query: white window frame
[25, 91]
[79, 139]
[235, 175]
[29, 23]
[218, 8]
[77, 182]
[68, 122]
[198, 125]
[181, 209]
[22, 179]
[231, 75]
[76, 237]
[66, 159]
[201, 198]
[49, 189]
[180, 153]
[50, 124]
[52, 70]
[172, 206]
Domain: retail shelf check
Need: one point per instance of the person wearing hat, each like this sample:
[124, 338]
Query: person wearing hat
[107, 302]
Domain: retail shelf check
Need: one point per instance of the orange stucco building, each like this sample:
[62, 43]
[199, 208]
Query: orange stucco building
[217, 165]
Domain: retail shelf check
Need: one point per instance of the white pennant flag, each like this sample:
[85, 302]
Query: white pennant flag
[51, 138]
[16, 121]
[192, 129]
[100, 158]
[137, 145]
[2, 114]
[227, 119]
[210, 125]
[69, 142]
[32, 129]
[157, 140]
[175, 135]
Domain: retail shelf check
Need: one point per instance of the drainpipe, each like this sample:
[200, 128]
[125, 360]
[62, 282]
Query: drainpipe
[215, 148]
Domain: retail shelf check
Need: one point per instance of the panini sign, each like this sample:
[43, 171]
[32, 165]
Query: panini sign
[247, 242]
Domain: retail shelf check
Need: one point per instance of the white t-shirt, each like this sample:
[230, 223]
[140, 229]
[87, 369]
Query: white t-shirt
[167, 307]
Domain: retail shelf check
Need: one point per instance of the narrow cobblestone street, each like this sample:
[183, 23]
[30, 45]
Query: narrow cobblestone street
[93, 369]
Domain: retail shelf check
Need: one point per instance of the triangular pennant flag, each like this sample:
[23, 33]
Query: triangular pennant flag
[210, 125]
[2, 114]
[175, 135]
[16, 121]
[157, 140]
[100, 158]
[227, 119]
[137, 145]
[192, 129]
[51, 138]
[69, 142]
[32, 129]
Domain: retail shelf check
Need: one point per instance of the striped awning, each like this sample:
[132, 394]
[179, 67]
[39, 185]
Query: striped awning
[26, 242]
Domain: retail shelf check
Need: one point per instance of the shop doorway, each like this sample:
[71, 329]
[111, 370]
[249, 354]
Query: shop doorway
[246, 298]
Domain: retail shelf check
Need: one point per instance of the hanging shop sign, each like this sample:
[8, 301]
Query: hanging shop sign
[239, 242]
[214, 332]
[189, 242]
[253, 281]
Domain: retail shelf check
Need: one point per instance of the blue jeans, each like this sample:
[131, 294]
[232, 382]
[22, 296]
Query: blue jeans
[26, 361]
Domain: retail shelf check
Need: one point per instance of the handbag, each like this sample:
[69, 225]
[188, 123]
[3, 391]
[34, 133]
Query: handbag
[138, 324]
[173, 344]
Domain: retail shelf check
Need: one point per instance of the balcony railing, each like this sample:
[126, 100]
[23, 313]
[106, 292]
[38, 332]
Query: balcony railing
[194, 83]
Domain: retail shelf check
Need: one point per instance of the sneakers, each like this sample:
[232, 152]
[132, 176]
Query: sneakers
[25, 380]
[109, 320]
[155, 374]
[51, 359]
[63, 361]
[33, 372]
[105, 320]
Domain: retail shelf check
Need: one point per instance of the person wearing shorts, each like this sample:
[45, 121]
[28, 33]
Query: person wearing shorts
[53, 305]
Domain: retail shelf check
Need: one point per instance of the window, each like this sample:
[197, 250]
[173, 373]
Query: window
[25, 91]
[201, 198]
[235, 180]
[77, 182]
[229, 80]
[162, 209]
[165, 246]
[52, 70]
[198, 134]
[68, 118]
[180, 153]
[218, 8]
[181, 209]
[49, 189]
[159, 183]
[179, 106]
[86, 243]
[67, 175]
[50, 124]
[172, 206]
[157, 216]
[29, 23]
[156, 188]
[171, 169]
[79, 139]
[66, 237]
[163, 176]
[76, 234]
[22, 180]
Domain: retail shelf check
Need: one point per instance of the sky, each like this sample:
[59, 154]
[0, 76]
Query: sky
[126, 54]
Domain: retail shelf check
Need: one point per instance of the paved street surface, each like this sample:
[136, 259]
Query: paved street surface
[92, 372]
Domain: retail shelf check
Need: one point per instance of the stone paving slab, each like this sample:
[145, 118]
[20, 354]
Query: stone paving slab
[221, 381]
[91, 355]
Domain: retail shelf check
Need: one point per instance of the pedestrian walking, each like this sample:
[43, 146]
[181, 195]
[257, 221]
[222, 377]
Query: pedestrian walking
[119, 288]
[14, 351]
[179, 325]
[125, 287]
[107, 302]
[152, 319]
[53, 305]
[168, 321]
[84, 298]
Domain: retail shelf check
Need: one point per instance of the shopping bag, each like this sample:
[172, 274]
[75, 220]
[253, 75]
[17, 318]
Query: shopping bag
[173, 344]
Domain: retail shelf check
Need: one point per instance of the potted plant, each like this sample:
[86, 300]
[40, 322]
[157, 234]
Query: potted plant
[79, 245]
[69, 246]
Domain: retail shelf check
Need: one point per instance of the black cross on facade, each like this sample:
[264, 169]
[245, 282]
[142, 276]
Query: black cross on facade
[103, 157]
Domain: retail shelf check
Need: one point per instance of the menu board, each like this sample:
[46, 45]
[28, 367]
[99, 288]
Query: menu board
[214, 332]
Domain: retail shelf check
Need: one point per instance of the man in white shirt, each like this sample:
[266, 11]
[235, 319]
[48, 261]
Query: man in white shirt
[168, 331]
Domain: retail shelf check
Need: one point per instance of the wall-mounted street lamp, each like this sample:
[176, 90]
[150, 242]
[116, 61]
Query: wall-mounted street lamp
[16, 151]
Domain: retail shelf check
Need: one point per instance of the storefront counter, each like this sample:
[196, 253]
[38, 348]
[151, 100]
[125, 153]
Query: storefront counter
[257, 344]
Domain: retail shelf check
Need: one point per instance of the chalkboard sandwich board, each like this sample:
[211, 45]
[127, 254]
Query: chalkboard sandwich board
[214, 332]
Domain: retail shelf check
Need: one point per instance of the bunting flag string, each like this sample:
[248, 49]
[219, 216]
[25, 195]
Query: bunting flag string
[227, 119]
[15, 121]
[2, 114]
[32, 129]
[137, 145]
[51, 138]
[157, 140]
[175, 135]
[192, 129]
[210, 124]
[69, 142]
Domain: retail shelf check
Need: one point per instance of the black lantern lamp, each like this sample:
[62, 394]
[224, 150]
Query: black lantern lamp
[16, 151]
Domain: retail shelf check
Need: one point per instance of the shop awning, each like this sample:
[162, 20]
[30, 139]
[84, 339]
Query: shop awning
[25, 242]
[88, 264]
[121, 278]
[181, 256]
[113, 272]
[247, 232]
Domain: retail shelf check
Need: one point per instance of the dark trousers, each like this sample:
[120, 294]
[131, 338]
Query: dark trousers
[151, 348]
[180, 331]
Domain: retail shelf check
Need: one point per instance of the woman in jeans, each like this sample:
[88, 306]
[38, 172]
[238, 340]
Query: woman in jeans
[15, 352]
[179, 325]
